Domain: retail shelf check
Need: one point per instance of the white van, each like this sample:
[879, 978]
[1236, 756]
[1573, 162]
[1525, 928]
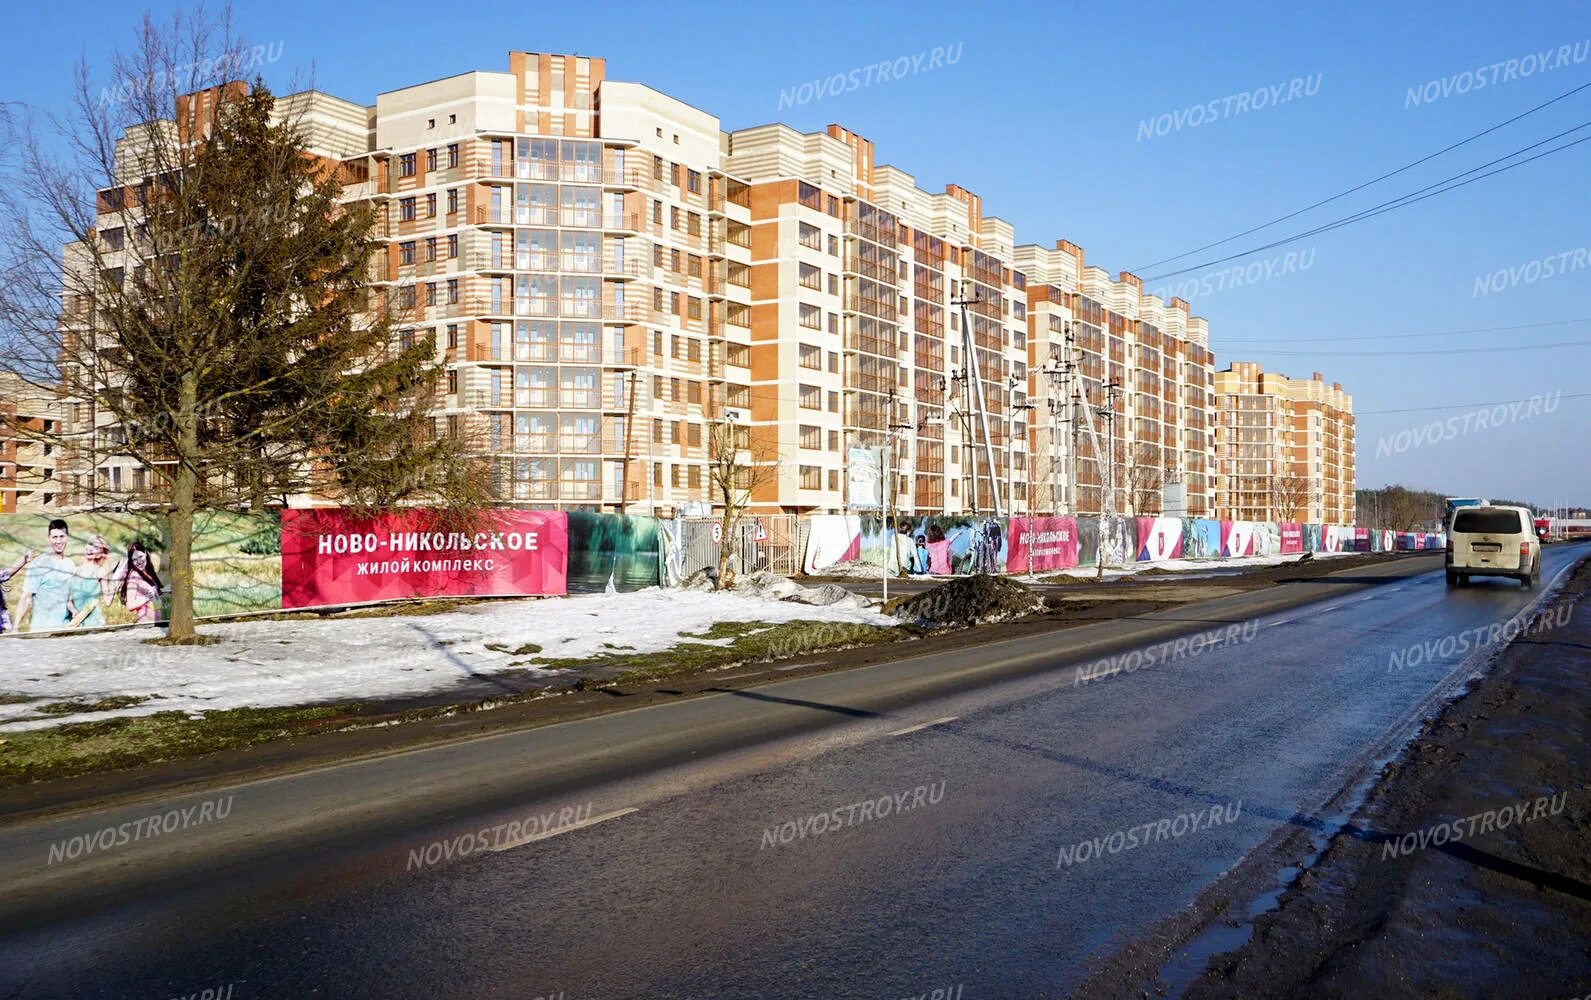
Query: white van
[1493, 541]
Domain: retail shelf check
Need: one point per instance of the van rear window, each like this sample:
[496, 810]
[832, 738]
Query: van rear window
[1487, 522]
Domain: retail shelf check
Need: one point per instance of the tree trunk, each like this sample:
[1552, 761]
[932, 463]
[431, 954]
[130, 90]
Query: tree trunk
[726, 524]
[184, 491]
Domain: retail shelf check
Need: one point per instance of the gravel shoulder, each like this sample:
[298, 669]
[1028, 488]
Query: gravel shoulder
[1466, 871]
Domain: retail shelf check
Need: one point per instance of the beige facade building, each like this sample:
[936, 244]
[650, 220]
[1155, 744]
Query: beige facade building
[608, 275]
[1284, 447]
[29, 418]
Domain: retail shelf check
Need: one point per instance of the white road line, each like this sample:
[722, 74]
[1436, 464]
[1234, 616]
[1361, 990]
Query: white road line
[1285, 621]
[800, 666]
[592, 821]
[923, 725]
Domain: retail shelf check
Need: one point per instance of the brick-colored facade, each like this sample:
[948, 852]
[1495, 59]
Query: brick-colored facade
[1299, 432]
[608, 275]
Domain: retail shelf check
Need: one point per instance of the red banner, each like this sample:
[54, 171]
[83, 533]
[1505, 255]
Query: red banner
[331, 557]
[1052, 542]
[1292, 536]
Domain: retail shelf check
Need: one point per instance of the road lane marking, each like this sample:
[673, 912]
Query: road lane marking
[590, 821]
[923, 725]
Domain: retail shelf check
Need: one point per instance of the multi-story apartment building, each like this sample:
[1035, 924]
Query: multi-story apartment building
[29, 421]
[610, 278]
[1284, 447]
[1119, 374]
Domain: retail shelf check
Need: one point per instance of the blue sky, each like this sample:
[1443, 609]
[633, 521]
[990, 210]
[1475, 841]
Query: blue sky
[1050, 114]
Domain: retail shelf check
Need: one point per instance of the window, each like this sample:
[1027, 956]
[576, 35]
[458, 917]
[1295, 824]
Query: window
[693, 181]
[406, 210]
[811, 237]
[1487, 522]
[834, 284]
[406, 252]
[452, 381]
[453, 246]
[452, 200]
[453, 148]
[453, 291]
[430, 160]
[406, 165]
[834, 479]
[811, 316]
[811, 437]
[406, 297]
[811, 276]
[452, 336]
[834, 246]
[811, 477]
[811, 397]
[811, 357]
[834, 402]
[430, 248]
[430, 293]
[430, 205]
[834, 440]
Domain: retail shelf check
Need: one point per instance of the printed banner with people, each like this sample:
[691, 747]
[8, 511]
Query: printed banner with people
[83, 571]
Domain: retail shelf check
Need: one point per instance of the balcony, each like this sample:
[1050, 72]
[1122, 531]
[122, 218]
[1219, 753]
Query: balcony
[628, 269]
[631, 311]
[631, 177]
[623, 222]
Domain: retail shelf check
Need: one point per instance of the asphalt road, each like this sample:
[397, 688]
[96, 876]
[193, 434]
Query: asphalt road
[686, 857]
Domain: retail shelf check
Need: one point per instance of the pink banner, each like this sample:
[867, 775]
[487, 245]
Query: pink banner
[1052, 542]
[330, 556]
[1237, 538]
[1292, 536]
[1159, 538]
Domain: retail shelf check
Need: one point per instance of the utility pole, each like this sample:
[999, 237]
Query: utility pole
[629, 433]
[1061, 371]
[1028, 405]
[970, 349]
[968, 445]
[1107, 413]
[892, 428]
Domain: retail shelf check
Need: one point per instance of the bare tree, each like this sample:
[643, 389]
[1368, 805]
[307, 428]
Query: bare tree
[737, 469]
[212, 320]
[1144, 479]
[1290, 496]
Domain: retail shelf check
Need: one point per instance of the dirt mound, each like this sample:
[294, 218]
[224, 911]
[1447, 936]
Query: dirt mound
[968, 600]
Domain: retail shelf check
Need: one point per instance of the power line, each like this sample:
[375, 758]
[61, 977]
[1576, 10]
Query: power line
[1361, 187]
[1453, 350]
[1400, 202]
[1461, 406]
[1411, 336]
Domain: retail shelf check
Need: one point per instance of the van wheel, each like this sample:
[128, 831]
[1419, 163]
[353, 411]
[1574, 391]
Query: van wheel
[1528, 581]
[1452, 578]
[1463, 579]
